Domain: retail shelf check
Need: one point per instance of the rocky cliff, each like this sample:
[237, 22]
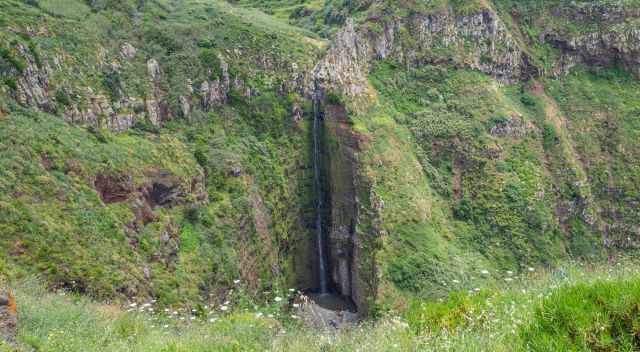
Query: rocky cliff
[458, 135]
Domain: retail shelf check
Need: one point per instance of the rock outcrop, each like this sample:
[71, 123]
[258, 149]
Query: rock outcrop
[91, 105]
[513, 127]
[599, 48]
[480, 41]
[8, 317]
[161, 189]
[33, 82]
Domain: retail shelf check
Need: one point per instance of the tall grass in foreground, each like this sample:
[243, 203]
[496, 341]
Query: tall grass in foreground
[576, 307]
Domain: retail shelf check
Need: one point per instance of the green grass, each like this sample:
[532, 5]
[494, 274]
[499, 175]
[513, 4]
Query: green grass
[468, 198]
[587, 317]
[535, 311]
[55, 224]
[185, 37]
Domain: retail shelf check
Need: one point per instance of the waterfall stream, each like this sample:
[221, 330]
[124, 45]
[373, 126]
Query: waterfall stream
[322, 266]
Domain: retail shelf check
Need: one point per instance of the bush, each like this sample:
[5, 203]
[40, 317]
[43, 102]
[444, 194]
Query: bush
[529, 100]
[145, 126]
[11, 83]
[100, 134]
[7, 56]
[62, 97]
[549, 136]
[334, 99]
[598, 317]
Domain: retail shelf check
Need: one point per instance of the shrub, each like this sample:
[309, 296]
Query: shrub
[549, 136]
[598, 317]
[99, 133]
[7, 56]
[112, 82]
[145, 126]
[11, 83]
[334, 98]
[528, 100]
[62, 97]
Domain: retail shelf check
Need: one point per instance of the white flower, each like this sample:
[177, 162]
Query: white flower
[531, 269]
[193, 318]
[193, 310]
[224, 308]
[259, 315]
[509, 272]
[476, 289]
[278, 299]
[212, 320]
[165, 326]
[296, 305]
[166, 310]
[133, 304]
[484, 272]
[236, 281]
[292, 290]
[294, 316]
[270, 315]
[456, 281]
[508, 279]
[226, 303]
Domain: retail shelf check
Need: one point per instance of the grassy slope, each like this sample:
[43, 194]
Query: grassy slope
[253, 156]
[469, 199]
[456, 198]
[55, 224]
[534, 311]
[186, 37]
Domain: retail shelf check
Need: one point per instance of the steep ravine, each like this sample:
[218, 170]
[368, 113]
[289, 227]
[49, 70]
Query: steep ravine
[343, 253]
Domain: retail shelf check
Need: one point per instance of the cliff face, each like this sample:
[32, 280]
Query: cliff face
[112, 78]
[530, 47]
[161, 150]
[459, 135]
[479, 41]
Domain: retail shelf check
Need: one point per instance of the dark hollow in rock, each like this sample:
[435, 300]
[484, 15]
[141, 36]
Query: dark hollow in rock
[113, 188]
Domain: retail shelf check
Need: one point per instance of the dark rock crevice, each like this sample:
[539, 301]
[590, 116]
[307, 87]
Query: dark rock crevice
[347, 247]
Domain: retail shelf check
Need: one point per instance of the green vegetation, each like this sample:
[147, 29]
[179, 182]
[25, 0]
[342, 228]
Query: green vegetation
[55, 224]
[486, 205]
[533, 311]
[249, 219]
[186, 38]
[469, 196]
[602, 316]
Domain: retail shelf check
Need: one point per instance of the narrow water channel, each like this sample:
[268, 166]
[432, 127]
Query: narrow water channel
[322, 265]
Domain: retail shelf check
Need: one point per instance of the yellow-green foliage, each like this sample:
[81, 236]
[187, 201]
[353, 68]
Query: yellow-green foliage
[576, 307]
[587, 317]
[55, 224]
[455, 196]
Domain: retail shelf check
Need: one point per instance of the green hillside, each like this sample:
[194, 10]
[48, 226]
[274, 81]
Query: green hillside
[167, 151]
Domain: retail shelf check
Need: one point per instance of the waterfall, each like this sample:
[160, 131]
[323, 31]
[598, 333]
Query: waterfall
[322, 266]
